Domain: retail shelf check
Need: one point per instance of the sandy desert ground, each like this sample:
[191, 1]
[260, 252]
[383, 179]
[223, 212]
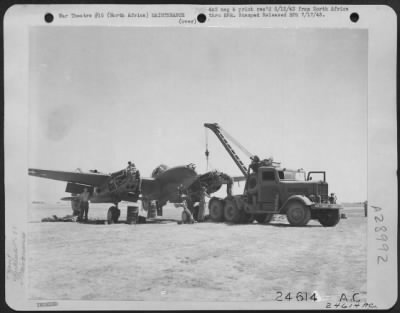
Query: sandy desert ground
[164, 261]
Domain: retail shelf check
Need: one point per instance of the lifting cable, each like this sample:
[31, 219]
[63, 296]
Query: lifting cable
[207, 153]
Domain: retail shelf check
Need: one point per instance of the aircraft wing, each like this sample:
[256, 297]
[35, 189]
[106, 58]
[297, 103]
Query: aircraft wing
[92, 179]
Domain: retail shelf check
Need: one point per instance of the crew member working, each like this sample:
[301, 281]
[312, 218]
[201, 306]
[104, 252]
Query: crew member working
[133, 173]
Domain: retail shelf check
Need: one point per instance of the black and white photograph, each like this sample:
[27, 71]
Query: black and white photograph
[198, 165]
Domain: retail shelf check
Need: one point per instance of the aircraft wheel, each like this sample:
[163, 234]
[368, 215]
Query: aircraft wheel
[216, 208]
[298, 214]
[113, 215]
[232, 213]
[264, 218]
[329, 219]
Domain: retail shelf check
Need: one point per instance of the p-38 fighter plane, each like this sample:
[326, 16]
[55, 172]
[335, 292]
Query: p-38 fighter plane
[126, 185]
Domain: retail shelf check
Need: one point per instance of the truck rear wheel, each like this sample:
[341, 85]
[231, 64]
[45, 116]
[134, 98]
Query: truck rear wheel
[216, 208]
[298, 214]
[263, 218]
[329, 219]
[232, 213]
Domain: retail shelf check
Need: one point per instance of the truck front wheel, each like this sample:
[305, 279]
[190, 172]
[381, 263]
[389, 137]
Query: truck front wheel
[298, 214]
[329, 219]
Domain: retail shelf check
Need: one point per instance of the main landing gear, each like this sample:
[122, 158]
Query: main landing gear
[113, 214]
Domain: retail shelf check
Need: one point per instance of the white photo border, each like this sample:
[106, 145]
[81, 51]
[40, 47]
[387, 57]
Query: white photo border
[381, 23]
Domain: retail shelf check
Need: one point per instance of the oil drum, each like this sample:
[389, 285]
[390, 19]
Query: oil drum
[132, 214]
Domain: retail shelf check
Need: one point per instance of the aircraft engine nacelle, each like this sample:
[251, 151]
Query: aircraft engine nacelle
[213, 180]
[77, 188]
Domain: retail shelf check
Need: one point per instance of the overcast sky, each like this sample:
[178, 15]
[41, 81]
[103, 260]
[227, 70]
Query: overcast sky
[102, 96]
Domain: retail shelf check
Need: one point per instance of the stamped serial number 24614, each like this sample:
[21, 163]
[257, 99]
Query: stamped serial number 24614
[299, 296]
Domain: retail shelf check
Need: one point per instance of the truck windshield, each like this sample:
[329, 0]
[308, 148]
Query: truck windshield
[292, 175]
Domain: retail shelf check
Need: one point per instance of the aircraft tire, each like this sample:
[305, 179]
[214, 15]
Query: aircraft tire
[298, 214]
[216, 208]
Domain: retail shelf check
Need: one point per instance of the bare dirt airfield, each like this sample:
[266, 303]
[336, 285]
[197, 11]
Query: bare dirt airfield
[164, 261]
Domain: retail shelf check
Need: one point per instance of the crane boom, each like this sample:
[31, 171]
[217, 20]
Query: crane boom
[217, 131]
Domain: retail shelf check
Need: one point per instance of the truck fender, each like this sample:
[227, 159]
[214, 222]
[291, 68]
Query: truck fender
[299, 198]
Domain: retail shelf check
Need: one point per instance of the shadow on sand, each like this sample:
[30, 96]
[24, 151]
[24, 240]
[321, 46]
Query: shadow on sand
[270, 224]
[158, 220]
[139, 222]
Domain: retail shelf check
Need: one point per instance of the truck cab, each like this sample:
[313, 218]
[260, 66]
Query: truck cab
[275, 190]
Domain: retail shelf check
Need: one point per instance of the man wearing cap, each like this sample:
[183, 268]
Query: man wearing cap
[255, 163]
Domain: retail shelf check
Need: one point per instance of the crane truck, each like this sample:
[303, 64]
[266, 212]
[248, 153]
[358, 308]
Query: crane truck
[271, 189]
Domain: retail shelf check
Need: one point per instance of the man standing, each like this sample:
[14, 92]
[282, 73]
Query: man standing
[202, 204]
[84, 204]
[255, 163]
[134, 174]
